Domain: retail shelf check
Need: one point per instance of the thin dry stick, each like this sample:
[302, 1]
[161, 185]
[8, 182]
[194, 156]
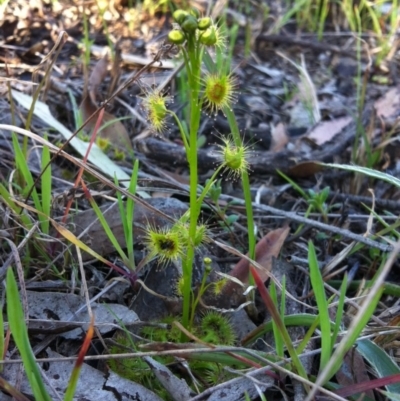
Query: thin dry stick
[317, 224]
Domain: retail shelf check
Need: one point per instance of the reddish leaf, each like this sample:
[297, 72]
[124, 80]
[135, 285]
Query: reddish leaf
[85, 346]
[305, 169]
[73, 381]
[267, 248]
[368, 385]
[266, 297]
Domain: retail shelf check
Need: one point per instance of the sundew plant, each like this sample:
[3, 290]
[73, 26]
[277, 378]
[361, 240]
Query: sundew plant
[210, 93]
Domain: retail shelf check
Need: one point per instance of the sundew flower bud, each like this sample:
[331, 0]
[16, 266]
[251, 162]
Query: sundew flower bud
[234, 158]
[179, 15]
[208, 38]
[103, 143]
[218, 286]
[211, 36]
[189, 24]
[176, 37]
[195, 12]
[219, 92]
[155, 105]
[204, 23]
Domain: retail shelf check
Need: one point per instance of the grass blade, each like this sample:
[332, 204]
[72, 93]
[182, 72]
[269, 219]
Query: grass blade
[367, 171]
[20, 334]
[357, 324]
[46, 188]
[277, 335]
[339, 311]
[317, 284]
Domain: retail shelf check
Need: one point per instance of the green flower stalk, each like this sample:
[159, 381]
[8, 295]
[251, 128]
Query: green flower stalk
[192, 34]
[246, 184]
[192, 55]
[216, 92]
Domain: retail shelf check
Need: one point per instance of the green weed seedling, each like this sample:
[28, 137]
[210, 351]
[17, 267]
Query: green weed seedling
[316, 200]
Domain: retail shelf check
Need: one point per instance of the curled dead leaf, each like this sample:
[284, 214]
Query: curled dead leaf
[268, 247]
[112, 129]
[97, 76]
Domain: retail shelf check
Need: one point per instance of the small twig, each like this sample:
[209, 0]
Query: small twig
[317, 224]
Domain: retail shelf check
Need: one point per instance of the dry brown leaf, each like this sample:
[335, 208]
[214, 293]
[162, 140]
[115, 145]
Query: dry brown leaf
[327, 130]
[97, 76]
[279, 138]
[388, 105]
[305, 169]
[114, 132]
[267, 248]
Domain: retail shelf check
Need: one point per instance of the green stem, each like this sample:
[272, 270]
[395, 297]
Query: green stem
[200, 293]
[249, 215]
[182, 131]
[193, 64]
[245, 182]
[211, 182]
